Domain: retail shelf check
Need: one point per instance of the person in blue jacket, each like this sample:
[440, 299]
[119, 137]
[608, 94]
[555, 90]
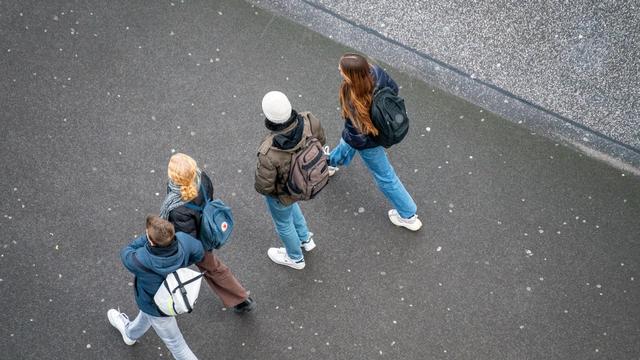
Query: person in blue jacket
[359, 82]
[150, 258]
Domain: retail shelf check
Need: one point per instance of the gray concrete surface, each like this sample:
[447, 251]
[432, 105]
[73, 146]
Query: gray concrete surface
[568, 70]
[519, 258]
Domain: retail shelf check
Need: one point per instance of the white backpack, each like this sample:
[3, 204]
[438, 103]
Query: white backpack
[178, 292]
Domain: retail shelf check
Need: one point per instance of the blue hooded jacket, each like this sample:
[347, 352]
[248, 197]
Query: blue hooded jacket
[350, 134]
[151, 265]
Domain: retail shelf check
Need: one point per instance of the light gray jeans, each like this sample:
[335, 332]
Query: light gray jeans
[166, 328]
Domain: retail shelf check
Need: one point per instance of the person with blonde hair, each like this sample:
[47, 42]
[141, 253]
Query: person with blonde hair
[360, 80]
[186, 185]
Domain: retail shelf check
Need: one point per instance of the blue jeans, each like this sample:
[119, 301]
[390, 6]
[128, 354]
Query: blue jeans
[290, 226]
[376, 161]
[166, 328]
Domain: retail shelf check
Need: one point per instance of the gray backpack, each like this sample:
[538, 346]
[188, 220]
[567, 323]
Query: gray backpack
[309, 172]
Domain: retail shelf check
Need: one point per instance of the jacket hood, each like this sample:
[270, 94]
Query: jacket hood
[164, 260]
[290, 137]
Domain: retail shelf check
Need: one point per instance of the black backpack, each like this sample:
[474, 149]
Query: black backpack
[389, 116]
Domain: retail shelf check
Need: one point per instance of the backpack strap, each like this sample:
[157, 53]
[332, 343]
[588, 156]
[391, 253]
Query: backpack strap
[204, 191]
[307, 131]
[183, 291]
[195, 207]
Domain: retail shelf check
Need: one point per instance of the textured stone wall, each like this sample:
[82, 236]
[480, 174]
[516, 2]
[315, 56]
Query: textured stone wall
[569, 70]
[580, 59]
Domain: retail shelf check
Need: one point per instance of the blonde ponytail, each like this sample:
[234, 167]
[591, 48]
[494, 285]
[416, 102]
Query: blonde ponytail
[189, 192]
[183, 170]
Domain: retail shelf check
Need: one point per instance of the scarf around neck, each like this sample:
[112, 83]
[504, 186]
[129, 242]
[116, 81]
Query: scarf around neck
[290, 139]
[174, 198]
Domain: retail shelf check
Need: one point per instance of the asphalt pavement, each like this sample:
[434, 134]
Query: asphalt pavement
[529, 249]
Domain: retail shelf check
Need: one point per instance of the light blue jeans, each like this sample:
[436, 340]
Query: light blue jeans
[290, 226]
[166, 328]
[378, 164]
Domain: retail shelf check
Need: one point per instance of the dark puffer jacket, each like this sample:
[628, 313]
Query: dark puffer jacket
[187, 220]
[350, 134]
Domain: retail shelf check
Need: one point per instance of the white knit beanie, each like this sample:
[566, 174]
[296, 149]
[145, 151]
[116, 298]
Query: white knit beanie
[276, 107]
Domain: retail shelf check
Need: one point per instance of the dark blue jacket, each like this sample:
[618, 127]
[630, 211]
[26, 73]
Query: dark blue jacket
[154, 263]
[382, 79]
[350, 134]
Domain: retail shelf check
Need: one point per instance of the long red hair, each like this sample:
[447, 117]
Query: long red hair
[356, 92]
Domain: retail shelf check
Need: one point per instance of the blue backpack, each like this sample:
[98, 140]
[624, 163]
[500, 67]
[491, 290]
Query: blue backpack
[216, 221]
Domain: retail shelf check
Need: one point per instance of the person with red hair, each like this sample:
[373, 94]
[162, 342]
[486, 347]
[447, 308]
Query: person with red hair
[359, 82]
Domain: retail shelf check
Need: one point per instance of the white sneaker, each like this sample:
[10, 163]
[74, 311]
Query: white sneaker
[119, 321]
[279, 256]
[309, 244]
[412, 223]
[332, 169]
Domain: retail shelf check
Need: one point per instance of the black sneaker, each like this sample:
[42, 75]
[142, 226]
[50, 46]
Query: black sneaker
[245, 306]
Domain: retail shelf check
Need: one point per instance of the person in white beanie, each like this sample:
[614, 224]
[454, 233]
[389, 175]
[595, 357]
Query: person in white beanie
[287, 132]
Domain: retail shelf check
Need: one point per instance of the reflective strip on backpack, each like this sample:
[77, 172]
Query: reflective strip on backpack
[171, 305]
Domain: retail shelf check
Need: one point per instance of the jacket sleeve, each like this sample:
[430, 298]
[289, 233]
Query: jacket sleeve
[266, 175]
[197, 252]
[353, 137]
[183, 222]
[126, 254]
